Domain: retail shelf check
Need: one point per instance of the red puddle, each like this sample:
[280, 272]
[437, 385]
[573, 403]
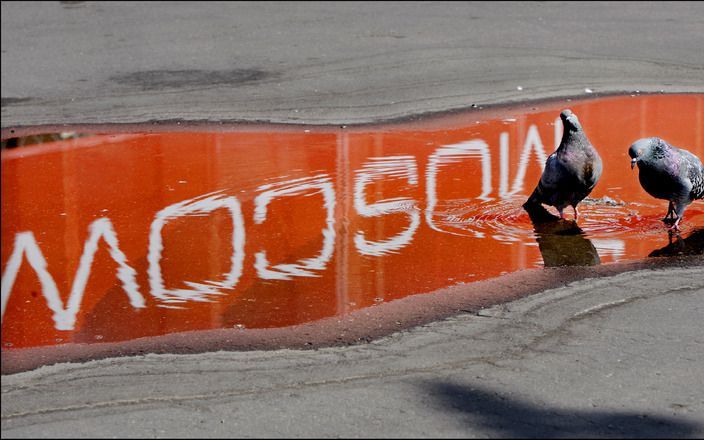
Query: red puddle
[119, 236]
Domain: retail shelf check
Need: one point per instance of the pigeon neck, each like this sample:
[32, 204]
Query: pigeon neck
[659, 151]
[572, 135]
[658, 155]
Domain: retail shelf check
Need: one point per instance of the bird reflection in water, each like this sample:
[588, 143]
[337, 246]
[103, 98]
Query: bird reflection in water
[692, 245]
[561, 242]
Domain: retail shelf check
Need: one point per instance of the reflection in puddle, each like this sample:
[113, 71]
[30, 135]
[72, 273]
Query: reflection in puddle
[39, 139]
[561, 242]
[693, 244]
[119, 236]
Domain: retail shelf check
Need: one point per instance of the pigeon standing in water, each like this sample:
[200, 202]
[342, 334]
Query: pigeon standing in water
[571, 172]
[670, 173]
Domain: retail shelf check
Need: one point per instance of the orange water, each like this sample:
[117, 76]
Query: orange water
[119, 236]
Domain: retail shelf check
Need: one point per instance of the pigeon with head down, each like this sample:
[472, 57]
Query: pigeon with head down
[669, 173]
[571, 172]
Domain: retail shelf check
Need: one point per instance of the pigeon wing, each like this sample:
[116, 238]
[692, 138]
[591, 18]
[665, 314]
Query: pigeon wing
[695, 174]
[552, 179]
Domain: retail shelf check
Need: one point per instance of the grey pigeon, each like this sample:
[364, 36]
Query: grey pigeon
[669, 173]
[571, 172]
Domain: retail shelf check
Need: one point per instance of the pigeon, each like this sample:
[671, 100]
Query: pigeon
[669, 173]
[571, 172]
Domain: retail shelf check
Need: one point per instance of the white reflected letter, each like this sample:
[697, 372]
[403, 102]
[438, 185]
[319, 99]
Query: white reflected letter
[533, 142]
[200, 205]
[398, 167]
[451, 154]
[613, 247]
[65, 318]
[557, 125]
[503, 165]
[296, 187]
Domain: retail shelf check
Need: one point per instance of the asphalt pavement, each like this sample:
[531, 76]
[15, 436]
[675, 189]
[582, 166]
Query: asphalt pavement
[615, 356]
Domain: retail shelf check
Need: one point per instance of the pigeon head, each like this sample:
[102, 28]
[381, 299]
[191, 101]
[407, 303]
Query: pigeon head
[645, 148]
[570, 120]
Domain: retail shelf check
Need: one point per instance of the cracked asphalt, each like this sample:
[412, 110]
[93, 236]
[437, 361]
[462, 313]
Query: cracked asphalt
[610, 357]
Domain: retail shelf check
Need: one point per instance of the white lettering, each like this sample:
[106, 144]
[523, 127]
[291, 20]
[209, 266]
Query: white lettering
[305, 266]
[557, 125]
[533, 142]
[503, 165]
[451, 154]
[398, 167]
[200, 205]
[65, 318]
[613, 247]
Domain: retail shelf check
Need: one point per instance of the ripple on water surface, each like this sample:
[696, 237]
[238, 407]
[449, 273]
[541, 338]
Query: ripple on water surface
[116, 236]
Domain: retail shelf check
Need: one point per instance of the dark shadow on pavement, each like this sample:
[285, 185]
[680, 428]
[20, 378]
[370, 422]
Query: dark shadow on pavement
[692, 245]
[509, 417]
[561, 242]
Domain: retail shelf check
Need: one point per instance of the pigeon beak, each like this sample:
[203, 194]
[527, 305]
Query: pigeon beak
[633, 162]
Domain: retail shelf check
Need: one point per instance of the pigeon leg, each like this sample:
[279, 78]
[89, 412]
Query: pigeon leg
[670, 212]
[678, 212]
[674, 221]
[576, 213]
[562, 214]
